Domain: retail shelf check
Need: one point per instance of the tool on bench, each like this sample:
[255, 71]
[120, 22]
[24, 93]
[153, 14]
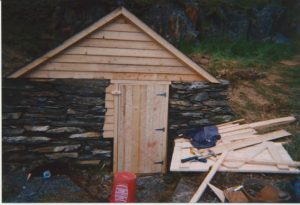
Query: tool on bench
[200, 158]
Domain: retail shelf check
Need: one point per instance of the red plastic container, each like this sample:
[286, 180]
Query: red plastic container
[124, 187]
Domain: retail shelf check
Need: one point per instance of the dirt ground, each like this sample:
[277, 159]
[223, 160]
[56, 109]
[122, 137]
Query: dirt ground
[91, 184]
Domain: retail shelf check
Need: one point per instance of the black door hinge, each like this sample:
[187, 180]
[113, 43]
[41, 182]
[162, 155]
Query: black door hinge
[160, 129]
[160, 162]
[162, 94]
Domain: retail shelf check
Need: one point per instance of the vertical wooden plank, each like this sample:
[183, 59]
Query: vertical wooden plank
[121, 114]
[165, 139]
[148, 130]
[116, 113]
[128, 128]
[135, 126]
[142, 142]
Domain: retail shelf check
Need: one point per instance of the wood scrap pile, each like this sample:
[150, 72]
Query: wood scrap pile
[240, 149]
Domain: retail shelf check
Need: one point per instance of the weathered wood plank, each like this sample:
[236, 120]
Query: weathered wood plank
[121, 36]
[117, 60]
[208, 178]
[122, 27]
[92, 67]
[118, 52]
[113, 76]
[106, 43]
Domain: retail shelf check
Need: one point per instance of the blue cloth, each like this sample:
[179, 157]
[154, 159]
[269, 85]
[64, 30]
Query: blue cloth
[205, 137]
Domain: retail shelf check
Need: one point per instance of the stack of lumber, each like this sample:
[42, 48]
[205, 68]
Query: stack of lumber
[240, 149]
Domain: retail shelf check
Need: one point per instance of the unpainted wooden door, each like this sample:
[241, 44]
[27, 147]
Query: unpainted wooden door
[141, 128]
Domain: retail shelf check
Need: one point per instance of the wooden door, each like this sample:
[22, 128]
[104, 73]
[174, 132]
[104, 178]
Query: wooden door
[141, 128]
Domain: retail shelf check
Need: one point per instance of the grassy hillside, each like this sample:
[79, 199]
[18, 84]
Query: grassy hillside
[265, 78]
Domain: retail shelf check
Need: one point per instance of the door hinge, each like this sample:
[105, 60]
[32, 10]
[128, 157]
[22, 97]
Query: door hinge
[160, 129]
[162, 94]
[160, 162]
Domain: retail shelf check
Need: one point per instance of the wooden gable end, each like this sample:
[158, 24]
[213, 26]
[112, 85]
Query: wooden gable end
[118, 51]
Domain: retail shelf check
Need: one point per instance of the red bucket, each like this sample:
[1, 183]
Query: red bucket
[124, 187]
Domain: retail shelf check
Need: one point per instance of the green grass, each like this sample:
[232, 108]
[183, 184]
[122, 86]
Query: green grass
[247, 53]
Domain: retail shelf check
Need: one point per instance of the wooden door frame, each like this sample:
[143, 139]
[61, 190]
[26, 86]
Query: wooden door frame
[117, 84]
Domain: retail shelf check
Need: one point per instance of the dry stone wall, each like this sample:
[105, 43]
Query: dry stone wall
[51, 120]
[63, 119]
[198, 104]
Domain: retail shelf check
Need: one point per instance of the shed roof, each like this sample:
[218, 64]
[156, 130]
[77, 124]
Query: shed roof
[99, 24]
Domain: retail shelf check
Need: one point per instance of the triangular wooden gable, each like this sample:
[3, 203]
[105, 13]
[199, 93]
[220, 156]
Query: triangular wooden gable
[118, 47]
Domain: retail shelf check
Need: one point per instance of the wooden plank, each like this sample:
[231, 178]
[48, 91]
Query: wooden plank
[118, 52]
[262, 124]
[113, 35]
[227, 127]
[276, 156]
[122, 127]
[144, 82]
[120, 20]
[258, 149]
[110, 112]
[238, 132]
[109, 97]
[238, 137]
[219, 193]
[273, 122]
[256, 161]
[208, 178]
[149, 129]
[165, 113]
[109, 119]
[113, 76]
[116, 127]
[106, 43]
[117, 60]
[67, 43]
[108, 134]
[108, 127]
[247, 142]
[114, 26]
[143, 160]
[97, 67]
[229, 123]
[109, 104]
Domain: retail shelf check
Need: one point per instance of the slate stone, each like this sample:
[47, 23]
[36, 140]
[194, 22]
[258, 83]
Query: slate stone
[106, 153]
[86, 135]
[25, 140]
[192, 114]
[12, 131]
[202, 122]
[179, 102]
[200, 97]
[61, 130]
[62, 155]
[11, 116]
[214, 103]
[37, 128]
[64, 148]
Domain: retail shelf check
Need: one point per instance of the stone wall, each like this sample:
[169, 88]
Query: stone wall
[63, 119]
[197, 104]
[56, 119]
